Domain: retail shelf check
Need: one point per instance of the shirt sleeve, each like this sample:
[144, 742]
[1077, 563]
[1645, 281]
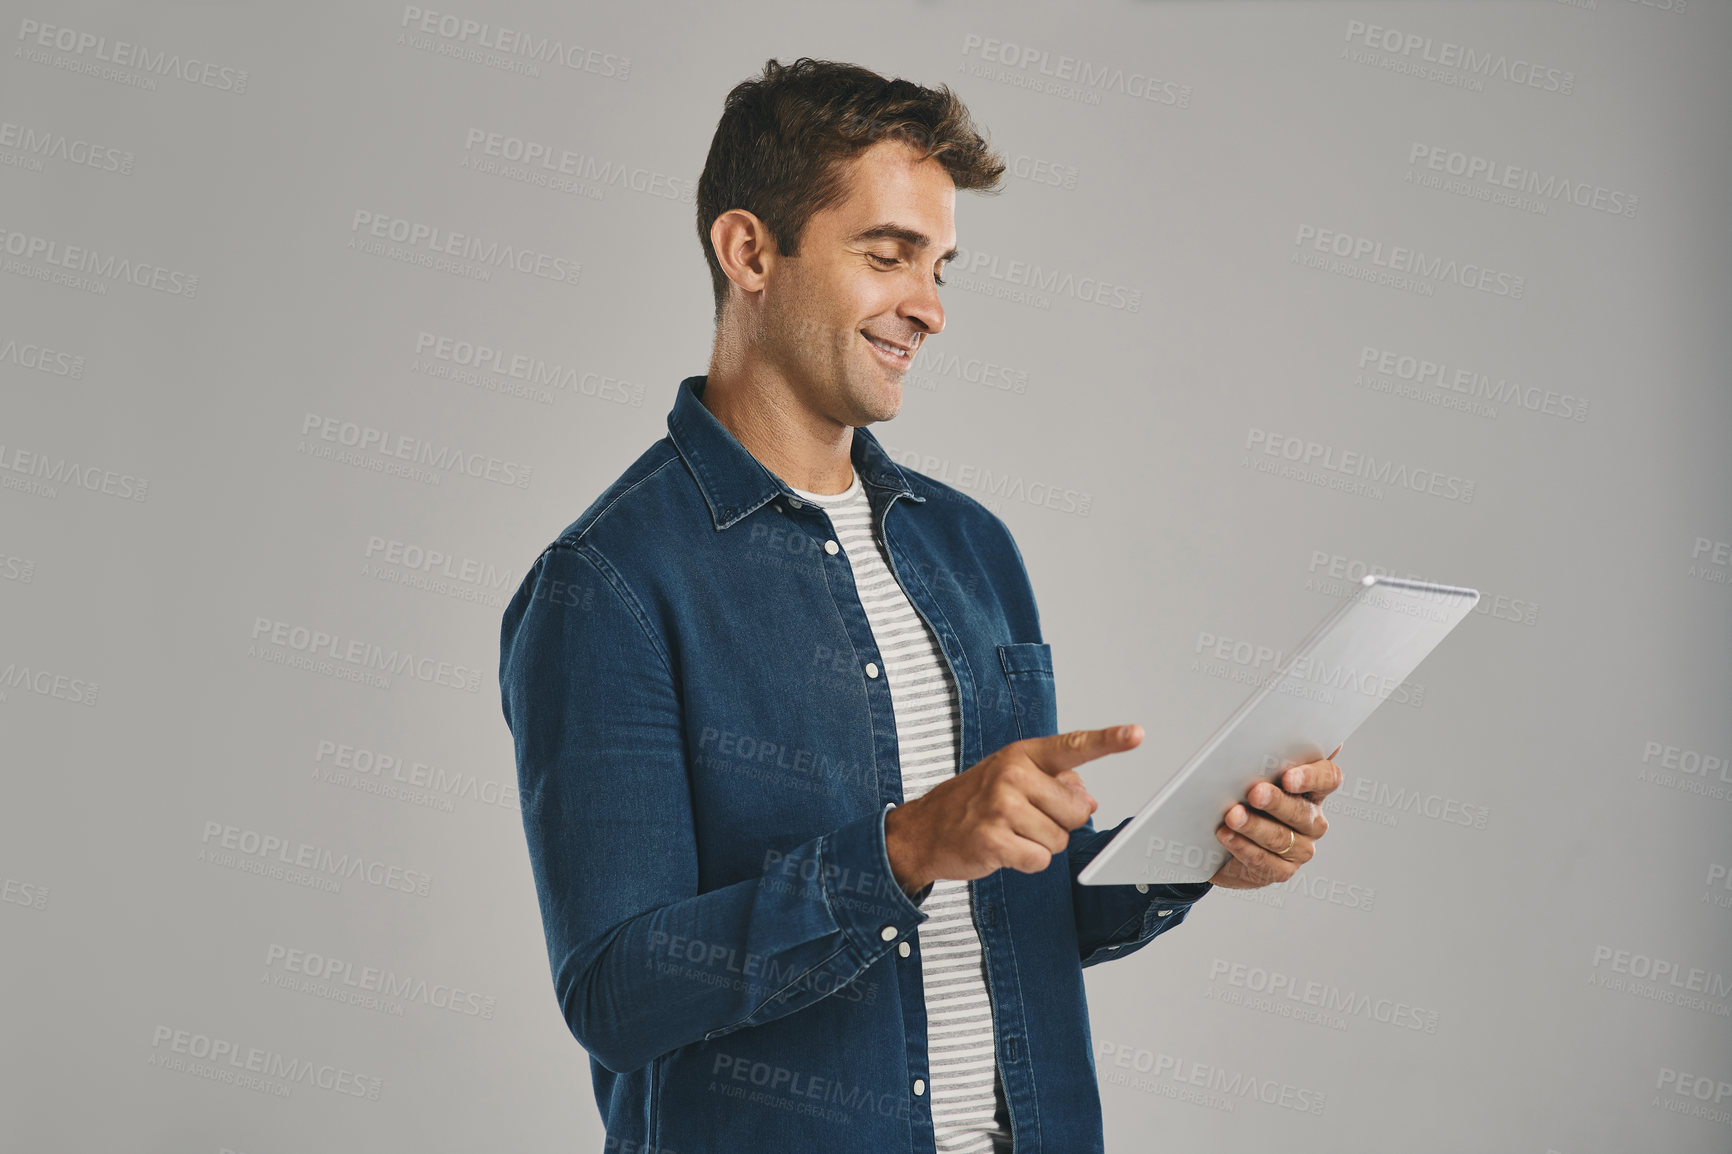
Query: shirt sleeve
[642, 961]
[1112, 921]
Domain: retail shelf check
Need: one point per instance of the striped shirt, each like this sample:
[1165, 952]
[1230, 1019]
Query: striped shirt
[966, 1096]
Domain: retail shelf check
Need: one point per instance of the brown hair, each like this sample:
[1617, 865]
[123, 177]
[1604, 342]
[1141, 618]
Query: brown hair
[784, 137]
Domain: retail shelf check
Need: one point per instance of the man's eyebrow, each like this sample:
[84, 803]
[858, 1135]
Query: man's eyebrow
[902, 233]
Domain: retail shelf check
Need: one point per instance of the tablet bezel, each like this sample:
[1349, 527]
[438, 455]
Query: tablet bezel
[1115, 865]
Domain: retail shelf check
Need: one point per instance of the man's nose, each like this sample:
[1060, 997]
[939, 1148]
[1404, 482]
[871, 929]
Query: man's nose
[925, 309]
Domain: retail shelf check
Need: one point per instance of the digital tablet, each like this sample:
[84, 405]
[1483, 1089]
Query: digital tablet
[1359, 656]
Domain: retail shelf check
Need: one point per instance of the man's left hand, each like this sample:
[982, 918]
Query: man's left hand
[1275, 830]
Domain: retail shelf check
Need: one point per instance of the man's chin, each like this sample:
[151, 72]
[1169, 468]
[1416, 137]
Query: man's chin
[871, 410]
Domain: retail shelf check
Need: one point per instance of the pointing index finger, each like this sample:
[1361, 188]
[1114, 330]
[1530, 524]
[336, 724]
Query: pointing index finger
[1064, 751]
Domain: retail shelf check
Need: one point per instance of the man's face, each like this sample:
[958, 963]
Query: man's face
[866, 271]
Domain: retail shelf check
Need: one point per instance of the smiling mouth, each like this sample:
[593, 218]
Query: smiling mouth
[895, 350]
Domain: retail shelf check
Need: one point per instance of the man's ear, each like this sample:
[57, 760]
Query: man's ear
[744, 248]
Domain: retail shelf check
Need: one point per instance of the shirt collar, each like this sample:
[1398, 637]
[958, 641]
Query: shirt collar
[734, 482]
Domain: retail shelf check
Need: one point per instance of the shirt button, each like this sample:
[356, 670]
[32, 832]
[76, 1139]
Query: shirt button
[902, 948]
[919, 1086]
[1162, 913]
[1141, 888]
[887, 933]
[871, 669]
[794, 502]
[831, 548]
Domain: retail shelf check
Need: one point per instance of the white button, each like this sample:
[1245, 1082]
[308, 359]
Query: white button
[902, 948]
[887, 933]
[1141, 888]
[919, 1086]
[1162, 913]
[831, 548]
[871, 669]
[794, 502]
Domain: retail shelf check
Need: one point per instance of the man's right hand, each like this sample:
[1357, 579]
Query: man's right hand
[1015, 808]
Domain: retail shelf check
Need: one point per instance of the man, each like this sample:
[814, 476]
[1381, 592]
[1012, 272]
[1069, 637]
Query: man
[802, 828]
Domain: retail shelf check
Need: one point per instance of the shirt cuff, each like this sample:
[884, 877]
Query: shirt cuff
[868, 903]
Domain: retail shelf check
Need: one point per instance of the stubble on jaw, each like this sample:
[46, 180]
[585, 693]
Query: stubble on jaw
[840, 353]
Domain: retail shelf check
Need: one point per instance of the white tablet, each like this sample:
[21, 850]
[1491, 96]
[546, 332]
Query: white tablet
[1360, 654]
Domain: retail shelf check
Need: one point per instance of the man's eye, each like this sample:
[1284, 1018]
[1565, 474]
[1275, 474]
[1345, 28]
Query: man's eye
[936, 279]
[885, 259]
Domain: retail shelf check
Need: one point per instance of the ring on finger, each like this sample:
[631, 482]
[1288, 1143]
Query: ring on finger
[1292, 840]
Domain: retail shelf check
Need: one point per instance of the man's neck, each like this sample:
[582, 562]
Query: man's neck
[806, 449]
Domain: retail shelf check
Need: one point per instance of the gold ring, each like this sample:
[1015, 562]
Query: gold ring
[1292, 840]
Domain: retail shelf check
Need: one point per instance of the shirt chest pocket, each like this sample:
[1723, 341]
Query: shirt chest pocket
[1029, 690]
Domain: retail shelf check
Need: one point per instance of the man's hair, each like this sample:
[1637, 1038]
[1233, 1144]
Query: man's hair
[784, 138]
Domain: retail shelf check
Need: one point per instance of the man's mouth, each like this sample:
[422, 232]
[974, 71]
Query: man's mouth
[891, 347]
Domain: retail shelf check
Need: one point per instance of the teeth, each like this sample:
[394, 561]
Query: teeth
[887, 348]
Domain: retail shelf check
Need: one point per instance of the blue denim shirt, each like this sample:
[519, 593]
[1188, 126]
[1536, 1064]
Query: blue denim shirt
[706, 756]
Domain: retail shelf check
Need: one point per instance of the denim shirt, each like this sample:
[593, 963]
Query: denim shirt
[706, 751]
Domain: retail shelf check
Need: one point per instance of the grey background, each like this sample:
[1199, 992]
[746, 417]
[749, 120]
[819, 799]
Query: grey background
[146, 715]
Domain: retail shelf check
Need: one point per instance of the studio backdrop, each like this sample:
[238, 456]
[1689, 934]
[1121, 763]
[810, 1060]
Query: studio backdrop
[318, 322]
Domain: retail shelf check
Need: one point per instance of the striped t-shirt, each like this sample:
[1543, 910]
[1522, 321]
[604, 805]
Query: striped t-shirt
[965, 1094]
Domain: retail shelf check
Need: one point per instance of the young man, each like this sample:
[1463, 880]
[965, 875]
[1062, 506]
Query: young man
[803, 831]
